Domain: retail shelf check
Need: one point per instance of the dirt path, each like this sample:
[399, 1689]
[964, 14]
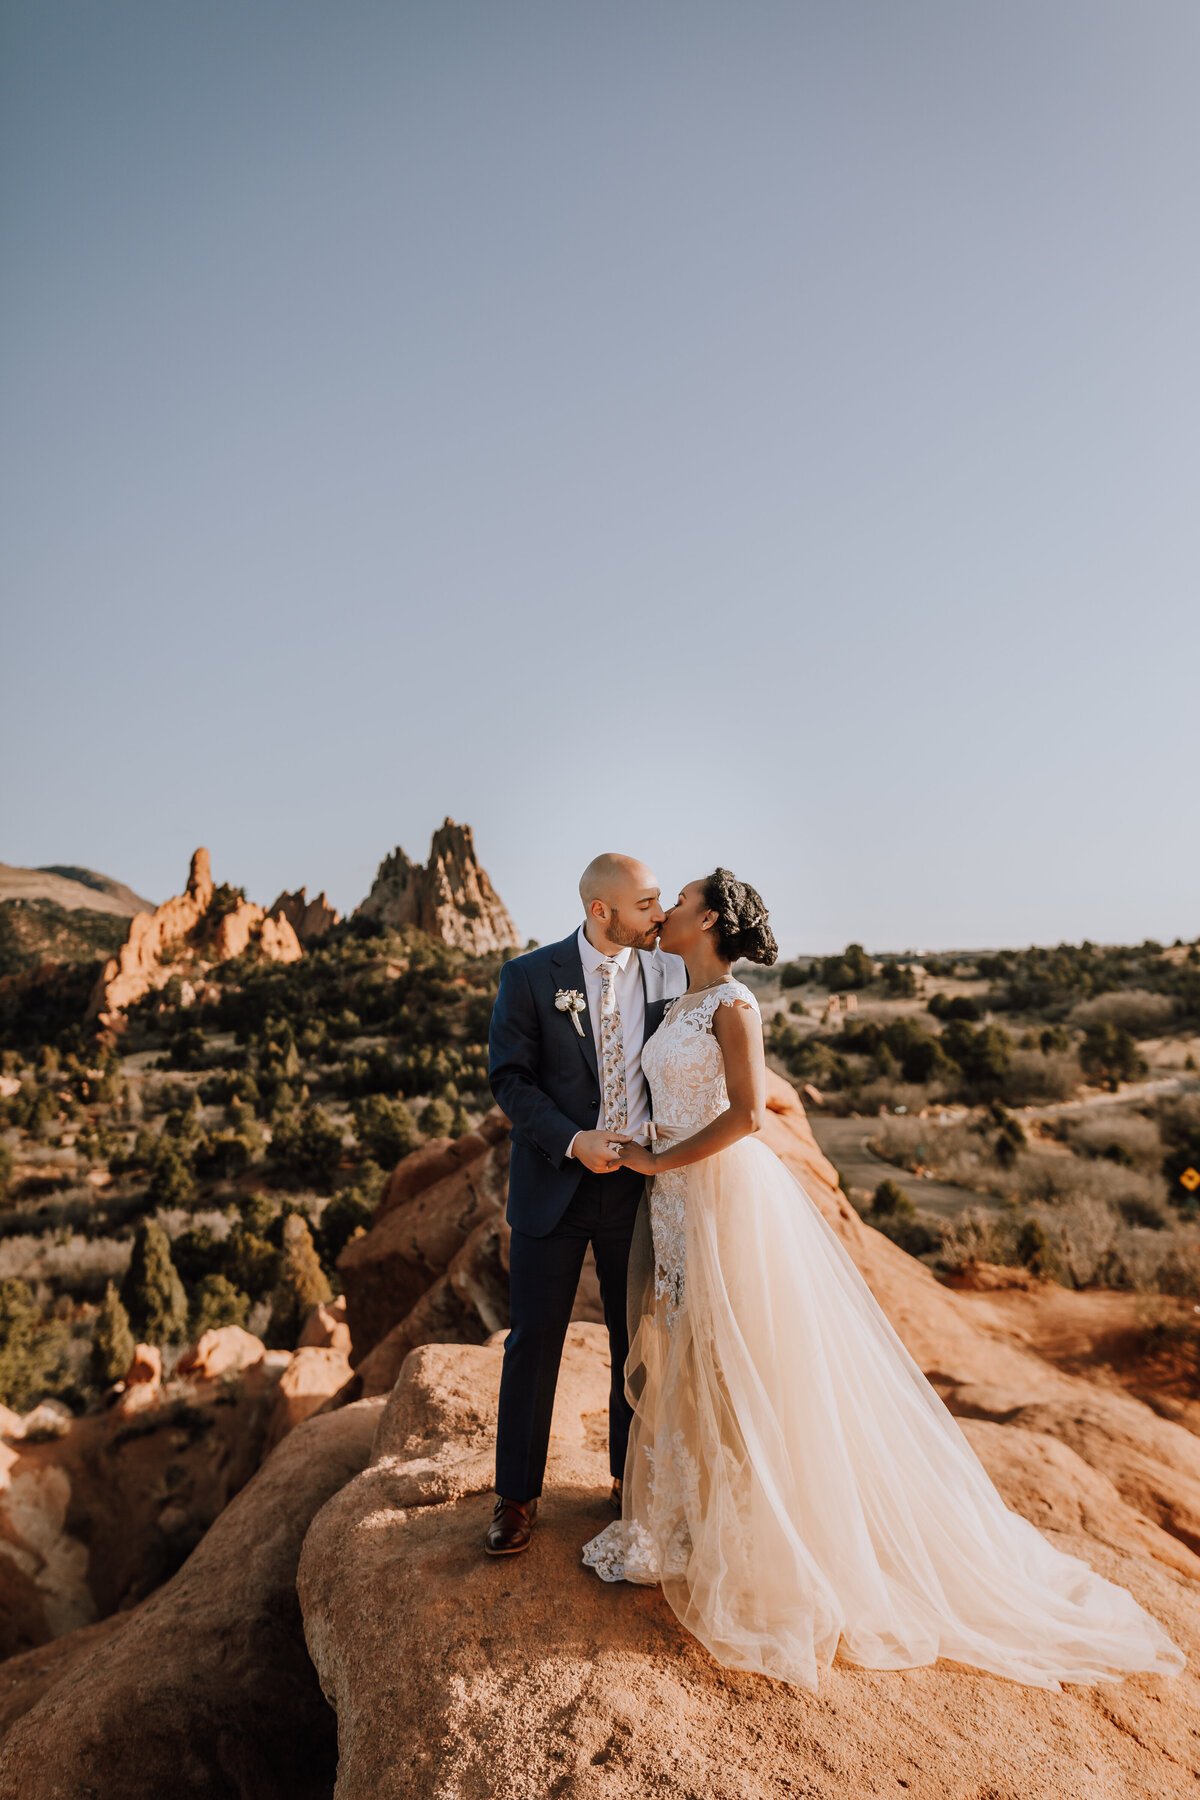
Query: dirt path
[844, 1142]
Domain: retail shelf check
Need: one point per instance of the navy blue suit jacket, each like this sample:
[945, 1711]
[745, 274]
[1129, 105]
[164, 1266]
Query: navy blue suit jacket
[544, 1074]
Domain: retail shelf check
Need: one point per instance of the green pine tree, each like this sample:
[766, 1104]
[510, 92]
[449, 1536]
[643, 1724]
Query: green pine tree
[112, 1340]
[152, 1292]
[301, 1284]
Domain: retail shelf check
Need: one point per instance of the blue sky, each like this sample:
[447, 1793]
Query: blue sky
[762, 435]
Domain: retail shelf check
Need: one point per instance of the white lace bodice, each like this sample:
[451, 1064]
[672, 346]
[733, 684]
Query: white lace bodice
[682, 1061]
[686, 1071]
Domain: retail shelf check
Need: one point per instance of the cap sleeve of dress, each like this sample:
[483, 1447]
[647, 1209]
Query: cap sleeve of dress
[733, 993]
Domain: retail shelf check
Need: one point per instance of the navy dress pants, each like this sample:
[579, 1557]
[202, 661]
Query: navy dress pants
[543, 1278]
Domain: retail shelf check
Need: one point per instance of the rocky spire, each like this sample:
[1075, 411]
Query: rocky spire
[451, 897]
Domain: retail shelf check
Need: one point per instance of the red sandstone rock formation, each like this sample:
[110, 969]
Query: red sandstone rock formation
[454, 1677]
[451, 898]
[97, 1515]
[309, 919]
[205, 1688]
[179, 938]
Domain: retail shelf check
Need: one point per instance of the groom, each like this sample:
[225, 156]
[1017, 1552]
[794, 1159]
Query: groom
[565, 1065]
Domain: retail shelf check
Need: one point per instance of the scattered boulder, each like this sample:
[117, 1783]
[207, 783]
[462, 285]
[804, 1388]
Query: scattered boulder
[450, 898]
[325, 1327]
[206, 1687]
[142, 1384]
[312, 1377]
[223, 1350]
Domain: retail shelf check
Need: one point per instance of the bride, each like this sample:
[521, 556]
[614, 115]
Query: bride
[793, 1482]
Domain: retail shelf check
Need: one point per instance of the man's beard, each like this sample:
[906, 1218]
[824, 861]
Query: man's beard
[620, 933]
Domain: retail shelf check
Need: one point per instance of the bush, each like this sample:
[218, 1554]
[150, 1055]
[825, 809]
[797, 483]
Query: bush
[1134, 1010]
[384, 1128]
[891, 1199]
[307, 1146]
[1034, 1077]
[33, 1351]
[171, 1182]
[1109, 1054]
[217, 1302]
[899, 979]
[152, 1292]
[956, 1006]
[112, 1340]
[437, 1120]
[852, 969]
[793, 974]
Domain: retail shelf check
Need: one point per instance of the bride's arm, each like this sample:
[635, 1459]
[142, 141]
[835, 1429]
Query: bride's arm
[738, 1031]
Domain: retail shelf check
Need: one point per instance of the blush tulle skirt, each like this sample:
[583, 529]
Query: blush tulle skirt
[798, 1489]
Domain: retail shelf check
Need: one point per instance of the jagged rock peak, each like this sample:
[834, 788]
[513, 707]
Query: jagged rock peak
[200, 881]
[181, 937]
[309, 919]
[451, 897]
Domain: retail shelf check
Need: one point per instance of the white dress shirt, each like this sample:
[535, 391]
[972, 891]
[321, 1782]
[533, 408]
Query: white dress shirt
[631, 1004]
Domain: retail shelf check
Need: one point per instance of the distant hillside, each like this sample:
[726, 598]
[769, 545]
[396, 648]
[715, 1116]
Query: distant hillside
[72, 888]
[36, 931]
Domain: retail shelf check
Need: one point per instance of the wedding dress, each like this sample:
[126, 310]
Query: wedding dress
[793, 1482]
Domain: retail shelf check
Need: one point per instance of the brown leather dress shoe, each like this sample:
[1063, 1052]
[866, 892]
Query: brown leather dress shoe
[511, 1527]
[614, 1499]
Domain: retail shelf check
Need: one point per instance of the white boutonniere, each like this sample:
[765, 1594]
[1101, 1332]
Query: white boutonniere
[570, 1000]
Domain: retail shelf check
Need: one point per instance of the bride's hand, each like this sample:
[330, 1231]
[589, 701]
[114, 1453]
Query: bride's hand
[638, 1158]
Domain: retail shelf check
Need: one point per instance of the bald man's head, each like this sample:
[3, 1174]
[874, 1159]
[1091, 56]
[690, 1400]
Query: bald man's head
[620, 902]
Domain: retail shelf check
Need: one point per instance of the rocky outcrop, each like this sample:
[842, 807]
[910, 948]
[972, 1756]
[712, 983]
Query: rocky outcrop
[206, 1687]
[454, 1676]
[309, 919]
[436, 1199]
[180, 938]
[97, 1511]
[451, 897]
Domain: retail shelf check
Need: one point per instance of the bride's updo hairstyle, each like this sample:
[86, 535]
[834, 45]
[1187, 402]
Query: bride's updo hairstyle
[741, 929]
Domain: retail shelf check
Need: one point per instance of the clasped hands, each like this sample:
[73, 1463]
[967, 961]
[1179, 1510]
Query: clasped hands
[604, 1151]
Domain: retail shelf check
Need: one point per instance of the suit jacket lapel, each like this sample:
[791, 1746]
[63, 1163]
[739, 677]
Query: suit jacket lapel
[568, 973]
[652, 986]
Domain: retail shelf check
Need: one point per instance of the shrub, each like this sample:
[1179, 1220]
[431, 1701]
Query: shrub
[891, 1199]
[171, 1182]
[1127, 1139]
[793, 974]
[346, 1214]
[437, 1120]
[1109, 1054]
[112, 1340]
[152, 1293]
[32, 1350]
[307, 1146]
[955, 1006]
[1134, 1010]
[384, 1128]
[215, 1302]
[852, 969]
[300, 1285]
[1034, 1077]
[899, 979]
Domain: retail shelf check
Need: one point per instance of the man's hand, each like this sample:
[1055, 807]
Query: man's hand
[592, 1150]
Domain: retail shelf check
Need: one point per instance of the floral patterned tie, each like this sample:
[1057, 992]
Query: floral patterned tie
[612, 1050]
